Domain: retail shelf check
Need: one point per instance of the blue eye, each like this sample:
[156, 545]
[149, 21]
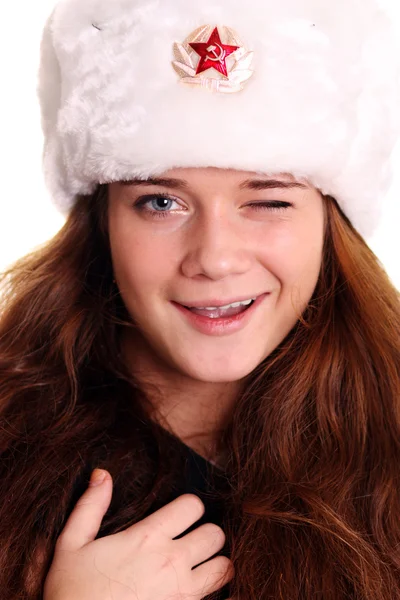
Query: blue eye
[157, 205]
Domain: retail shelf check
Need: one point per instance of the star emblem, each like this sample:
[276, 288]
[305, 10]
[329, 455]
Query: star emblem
[213, 54]
[205, 42]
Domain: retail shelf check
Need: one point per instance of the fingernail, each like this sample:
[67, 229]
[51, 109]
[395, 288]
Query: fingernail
[97, 478]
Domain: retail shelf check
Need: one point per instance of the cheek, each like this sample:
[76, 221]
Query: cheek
[293, 255]
[141, 266]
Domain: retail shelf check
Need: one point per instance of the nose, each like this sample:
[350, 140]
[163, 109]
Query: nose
[217, 247]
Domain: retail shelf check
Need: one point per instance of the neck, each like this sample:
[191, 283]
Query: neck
[195, 411]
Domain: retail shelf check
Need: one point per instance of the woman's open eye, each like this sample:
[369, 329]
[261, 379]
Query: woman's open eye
[157, 205]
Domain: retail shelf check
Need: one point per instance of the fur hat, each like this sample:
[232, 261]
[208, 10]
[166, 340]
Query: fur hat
[131, 88]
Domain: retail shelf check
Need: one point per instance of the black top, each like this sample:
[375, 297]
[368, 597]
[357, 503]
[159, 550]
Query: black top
[199, 477]
[204, 480]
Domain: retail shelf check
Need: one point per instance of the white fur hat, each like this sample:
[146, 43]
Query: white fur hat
[318, 81]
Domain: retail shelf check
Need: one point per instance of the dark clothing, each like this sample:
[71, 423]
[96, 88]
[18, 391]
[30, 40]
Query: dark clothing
[199, 477]
[204, 480]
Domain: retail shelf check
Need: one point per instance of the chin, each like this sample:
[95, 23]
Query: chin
[219, 374]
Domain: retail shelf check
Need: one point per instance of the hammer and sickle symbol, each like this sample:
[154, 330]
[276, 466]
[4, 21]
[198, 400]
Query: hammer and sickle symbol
[217, 57]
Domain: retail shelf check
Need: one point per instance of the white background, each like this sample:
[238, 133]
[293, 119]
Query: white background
[27, 217]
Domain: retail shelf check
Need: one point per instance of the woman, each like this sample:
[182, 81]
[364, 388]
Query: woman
[210, 322]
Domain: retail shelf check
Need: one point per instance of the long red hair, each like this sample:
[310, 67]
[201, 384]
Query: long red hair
[313, 442]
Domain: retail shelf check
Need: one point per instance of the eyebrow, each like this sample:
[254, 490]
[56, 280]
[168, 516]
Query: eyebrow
[161, 181]
[266, 184]
[249, 184]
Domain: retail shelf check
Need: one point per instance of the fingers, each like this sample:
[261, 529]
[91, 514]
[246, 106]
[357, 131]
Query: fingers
[202, 543]
[213, 575]
[84, 522]
[174, 518]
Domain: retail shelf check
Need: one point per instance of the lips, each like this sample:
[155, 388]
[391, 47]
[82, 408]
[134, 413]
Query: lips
[215, 302]
[220, 326]
[218, 313]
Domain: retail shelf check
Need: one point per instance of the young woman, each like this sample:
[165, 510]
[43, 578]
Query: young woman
[209, 338]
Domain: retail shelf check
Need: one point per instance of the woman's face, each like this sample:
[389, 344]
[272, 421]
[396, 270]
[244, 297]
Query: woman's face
[207, 237]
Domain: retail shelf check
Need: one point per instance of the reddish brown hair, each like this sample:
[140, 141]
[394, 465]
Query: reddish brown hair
[313, 443]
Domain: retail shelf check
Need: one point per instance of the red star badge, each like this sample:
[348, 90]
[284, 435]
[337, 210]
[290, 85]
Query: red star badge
[213, 54]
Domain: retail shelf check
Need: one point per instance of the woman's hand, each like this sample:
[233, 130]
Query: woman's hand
[143, 562]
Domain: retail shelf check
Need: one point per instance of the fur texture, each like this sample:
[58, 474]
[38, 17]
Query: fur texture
[323, 102]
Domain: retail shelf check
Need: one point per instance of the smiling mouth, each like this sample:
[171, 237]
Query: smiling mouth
[221, 312]
[221, 321]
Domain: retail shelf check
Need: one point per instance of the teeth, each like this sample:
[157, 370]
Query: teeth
[233, 305]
